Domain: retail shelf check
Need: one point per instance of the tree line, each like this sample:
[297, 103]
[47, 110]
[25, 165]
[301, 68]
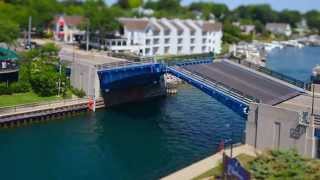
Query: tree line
[102, 17]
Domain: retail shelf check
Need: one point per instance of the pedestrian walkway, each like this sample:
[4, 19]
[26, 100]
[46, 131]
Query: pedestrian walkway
[22, 109]
[205, 165]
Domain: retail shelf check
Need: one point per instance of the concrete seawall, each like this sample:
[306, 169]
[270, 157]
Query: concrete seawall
[17, 116]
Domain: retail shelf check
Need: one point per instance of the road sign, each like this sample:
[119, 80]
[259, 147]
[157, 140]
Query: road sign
[233, 169]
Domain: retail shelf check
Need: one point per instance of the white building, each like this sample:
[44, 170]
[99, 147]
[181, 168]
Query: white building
[152, 36]
[279, 28]
[66, 28]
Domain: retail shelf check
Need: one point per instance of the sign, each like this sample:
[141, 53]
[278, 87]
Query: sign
[233, 168]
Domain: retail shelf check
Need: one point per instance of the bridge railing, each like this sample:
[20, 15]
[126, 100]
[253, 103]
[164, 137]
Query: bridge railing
[273, 73]
[119, 64]
[184, 59]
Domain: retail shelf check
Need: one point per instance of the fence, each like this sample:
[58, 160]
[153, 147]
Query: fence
[42, 105]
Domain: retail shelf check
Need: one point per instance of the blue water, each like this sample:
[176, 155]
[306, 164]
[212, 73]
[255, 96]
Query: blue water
[138, 141]
[295, 62]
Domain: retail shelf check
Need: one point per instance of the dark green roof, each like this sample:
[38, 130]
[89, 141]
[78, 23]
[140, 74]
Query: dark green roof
[7, 54]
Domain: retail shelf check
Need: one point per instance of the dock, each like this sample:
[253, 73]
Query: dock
[16, 116]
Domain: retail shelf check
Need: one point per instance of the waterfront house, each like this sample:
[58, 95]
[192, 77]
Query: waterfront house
[245, 28]
[151, 36]
[66, 28]
[279, 28]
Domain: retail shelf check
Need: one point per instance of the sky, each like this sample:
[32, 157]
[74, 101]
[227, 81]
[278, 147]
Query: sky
[301, 5]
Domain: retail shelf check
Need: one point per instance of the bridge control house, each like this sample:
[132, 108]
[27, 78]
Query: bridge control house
[149, 37]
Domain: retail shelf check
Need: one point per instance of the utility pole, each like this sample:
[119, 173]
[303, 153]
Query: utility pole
[312, 106]
[29, 31]
[87, 38]
[59, 83]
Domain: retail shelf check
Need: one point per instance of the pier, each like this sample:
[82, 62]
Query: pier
[16, 116]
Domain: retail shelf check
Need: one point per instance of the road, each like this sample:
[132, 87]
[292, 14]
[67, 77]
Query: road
[250, 83]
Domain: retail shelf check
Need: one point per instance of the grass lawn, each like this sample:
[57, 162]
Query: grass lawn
[24, 98]
[217, 171]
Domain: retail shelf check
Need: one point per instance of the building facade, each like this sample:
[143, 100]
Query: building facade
[150, 36]
[66, 28]
[279, 28]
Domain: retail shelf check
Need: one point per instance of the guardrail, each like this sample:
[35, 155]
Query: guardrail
[32, 106]
[119, 64]
[9, 69]
[273, 73]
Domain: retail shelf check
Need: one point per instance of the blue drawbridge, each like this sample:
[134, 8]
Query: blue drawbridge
[231, 84]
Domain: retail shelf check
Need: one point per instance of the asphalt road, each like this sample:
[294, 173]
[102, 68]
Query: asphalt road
[266, 90]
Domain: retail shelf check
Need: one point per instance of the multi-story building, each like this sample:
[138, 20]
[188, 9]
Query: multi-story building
[149, 37]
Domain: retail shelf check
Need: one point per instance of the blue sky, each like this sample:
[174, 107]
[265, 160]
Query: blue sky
[301, 5]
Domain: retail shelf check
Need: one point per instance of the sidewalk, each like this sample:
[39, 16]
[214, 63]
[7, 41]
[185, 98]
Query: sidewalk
[40, 106]
[204, 165]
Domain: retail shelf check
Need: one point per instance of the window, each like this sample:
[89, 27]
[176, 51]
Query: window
[204, 33]
[155, 50]
[124, 43]
[155, 33]
[148, 41]
[192, 40]
[166, 49]
[119, 43]
[204, 48]
[204, 40]
[147, 51]
[193, 33]
[167, 41]
[191, 49]
[180, 32]
[113, 43]
[179, 49]
[167, 32]
[179, 40]
[156, 41]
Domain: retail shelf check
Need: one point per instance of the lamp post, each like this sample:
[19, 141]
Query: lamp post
[230, 139]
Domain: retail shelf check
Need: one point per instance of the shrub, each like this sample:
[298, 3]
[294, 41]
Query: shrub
[78, 92]
[4, 89]
[19, 87]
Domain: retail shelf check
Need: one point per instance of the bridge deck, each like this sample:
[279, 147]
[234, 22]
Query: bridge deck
[268, 91]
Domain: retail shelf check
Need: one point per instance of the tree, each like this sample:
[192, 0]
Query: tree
[262, 13]
[313, 19]
[102, 19]
[129, 4]
[9, 31]
[40, 69]
[291, 17]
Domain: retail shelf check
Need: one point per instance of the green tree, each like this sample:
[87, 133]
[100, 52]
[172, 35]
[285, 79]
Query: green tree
[39, 67]
[291, 17]
[129, 4]
[313, 19]
[9, 31]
